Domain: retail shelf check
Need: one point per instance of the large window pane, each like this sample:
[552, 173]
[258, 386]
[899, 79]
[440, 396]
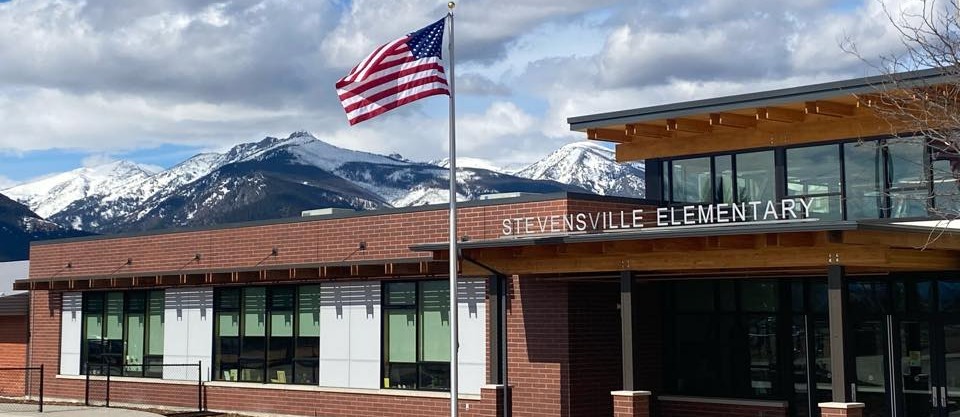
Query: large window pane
[692, 182]
[908, 203]
[863, 178]
[254, 311]
[813, 170]
[309, 311]
[755, 176]
[155, 334]
[906, 163]
[946, 187]
[435, 321]
[401, 293]
[402, 335]
[723, 165]
[758, 295]
[762, 342]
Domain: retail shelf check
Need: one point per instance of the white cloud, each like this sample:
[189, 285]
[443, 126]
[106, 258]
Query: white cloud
[6, 182]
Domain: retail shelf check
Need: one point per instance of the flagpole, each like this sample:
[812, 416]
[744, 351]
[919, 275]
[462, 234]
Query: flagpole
[454, 254]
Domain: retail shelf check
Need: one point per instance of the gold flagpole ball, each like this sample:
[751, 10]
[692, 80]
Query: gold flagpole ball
[451, 5]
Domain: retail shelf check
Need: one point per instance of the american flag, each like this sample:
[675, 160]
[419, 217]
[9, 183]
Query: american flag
[397, 73]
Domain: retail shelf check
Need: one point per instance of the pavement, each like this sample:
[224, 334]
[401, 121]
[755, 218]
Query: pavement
[23, 410]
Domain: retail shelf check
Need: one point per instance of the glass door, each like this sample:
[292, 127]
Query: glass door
[949, 398]
[870, 363]
[916, 369]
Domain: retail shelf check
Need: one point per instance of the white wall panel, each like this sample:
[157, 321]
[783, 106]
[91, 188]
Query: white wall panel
[472, 320]
[350, 335]
[71, 321]
[187, 331]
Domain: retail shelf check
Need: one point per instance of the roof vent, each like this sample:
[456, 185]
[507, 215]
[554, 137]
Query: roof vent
[501, 196]
[326, 212]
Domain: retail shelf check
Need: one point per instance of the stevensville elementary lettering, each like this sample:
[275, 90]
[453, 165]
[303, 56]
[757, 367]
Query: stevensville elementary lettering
[687, 215]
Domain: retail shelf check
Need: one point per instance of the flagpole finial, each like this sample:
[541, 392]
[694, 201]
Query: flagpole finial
[451, 5]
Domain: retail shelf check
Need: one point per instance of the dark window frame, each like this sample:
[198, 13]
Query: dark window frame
[116, 361]
[419, 364]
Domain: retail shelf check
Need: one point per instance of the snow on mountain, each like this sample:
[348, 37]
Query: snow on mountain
[50, 195]
[591, 166]
[467, 162]
[278, 177]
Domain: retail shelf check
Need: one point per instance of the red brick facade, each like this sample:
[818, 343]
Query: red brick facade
[631, 403]
[550, 372]
[701, 408]
[13, 354]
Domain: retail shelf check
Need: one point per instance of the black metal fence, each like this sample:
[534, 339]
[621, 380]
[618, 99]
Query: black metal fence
[102, 385]
[21, 389]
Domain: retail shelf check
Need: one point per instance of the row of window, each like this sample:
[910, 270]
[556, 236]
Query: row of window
[271, 334]
[903, 177]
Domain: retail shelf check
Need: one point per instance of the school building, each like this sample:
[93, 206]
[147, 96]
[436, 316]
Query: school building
[782, 263]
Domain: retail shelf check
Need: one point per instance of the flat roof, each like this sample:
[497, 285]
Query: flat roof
[759, 99]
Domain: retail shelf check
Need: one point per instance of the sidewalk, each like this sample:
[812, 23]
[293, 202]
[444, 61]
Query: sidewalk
[17, 410]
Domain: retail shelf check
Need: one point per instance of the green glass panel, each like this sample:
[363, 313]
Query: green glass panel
[254, 311]
[114, 316]
[401, 293]
[906, 165]
[402, 335]
[155, 324]
[309, 313]
[134, 342]
[94, 325]
[281, 324]
[229, 324]
[435, 321]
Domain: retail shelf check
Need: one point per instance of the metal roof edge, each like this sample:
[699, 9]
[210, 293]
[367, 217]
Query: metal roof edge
[762, 98]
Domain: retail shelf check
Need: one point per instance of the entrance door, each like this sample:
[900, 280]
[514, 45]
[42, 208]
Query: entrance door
[948, 383]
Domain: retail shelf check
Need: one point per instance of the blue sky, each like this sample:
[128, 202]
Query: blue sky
[156, 81]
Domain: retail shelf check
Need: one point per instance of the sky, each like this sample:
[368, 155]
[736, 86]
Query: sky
[157, 81]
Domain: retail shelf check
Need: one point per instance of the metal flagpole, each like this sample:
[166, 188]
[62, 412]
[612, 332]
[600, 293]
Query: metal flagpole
[454, 255]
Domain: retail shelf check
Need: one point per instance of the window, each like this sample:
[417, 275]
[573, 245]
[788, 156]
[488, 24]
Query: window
[863, 178]
[813, 173]
[416, 335]
[123, 333]
[267, 334]
[755, 176]
[692, 181]
[907, 177]
[725, 339]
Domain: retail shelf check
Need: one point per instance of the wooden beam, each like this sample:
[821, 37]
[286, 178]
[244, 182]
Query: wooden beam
[860, 126]
[830, 108]
[733, 120]
[778, 114]
[688, 125]
[910, 240]
[608, 135]
[651, 131]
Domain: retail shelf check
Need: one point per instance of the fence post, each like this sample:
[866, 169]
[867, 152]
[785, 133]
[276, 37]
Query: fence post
[108, 385]
[41, 387]
[200, 386]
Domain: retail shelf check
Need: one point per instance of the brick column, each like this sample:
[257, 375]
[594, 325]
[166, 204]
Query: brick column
[492, 400]
[631, 403]
[841, 409]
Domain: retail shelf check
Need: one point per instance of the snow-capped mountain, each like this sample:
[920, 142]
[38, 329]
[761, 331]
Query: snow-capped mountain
[19, 226]
[590, 166]
[50, 195]
[271, 178]
[468, 162]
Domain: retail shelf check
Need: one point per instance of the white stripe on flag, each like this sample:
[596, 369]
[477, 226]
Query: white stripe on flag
[386, 100]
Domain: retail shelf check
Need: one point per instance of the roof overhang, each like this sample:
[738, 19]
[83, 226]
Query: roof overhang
[412, 267]
[807, 114]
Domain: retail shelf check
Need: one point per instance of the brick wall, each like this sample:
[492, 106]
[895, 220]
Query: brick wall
[538, 348]
[388, 236]
[13, 341]
[595, 359]
[13, 354]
